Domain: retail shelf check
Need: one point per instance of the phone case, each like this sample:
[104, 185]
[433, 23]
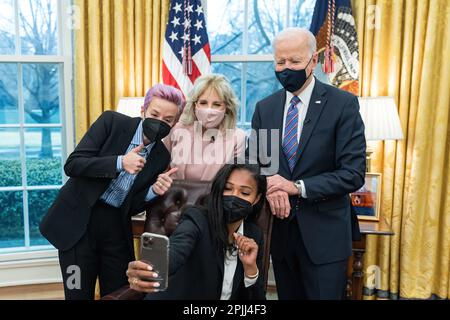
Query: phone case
[155, 251]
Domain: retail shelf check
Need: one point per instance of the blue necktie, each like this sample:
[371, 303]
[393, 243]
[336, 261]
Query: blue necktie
[290, 142]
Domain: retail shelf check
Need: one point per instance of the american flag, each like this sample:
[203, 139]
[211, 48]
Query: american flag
[186, 51]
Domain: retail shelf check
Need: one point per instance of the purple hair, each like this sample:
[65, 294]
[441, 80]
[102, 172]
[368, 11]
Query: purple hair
[167, 93]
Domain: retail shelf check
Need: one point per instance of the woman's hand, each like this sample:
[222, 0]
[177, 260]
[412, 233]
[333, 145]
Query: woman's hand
[137, 271]
[133, 162]
[248, 252]
[164, 182]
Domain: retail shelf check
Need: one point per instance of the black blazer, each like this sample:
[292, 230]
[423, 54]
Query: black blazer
[196, 268]
[91, 167]
[331, 162]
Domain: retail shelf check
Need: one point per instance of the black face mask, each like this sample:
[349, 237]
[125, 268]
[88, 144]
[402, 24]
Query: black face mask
[155, 129]
[236, 208]
[292, 80]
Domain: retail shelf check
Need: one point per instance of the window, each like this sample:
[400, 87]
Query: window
[241, 44]
[34, 95]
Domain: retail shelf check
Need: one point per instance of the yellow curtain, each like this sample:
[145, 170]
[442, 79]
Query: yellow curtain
[404, 53]
[117, 53]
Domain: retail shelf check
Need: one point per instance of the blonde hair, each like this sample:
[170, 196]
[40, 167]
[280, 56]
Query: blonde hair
[223, 88]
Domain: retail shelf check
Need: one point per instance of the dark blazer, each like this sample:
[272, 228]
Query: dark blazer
[196, 268]
[330, 161]
[91, 167]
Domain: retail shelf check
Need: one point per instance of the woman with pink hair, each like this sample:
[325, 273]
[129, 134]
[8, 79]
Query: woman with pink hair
[116, 169]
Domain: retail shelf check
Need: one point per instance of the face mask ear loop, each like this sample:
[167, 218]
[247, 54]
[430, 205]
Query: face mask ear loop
[307, 67]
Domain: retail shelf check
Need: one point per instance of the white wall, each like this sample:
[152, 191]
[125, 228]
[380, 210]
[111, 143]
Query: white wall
[24, 268]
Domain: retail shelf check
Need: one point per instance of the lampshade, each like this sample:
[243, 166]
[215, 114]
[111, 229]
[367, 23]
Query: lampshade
[380, 118]
[131, 106]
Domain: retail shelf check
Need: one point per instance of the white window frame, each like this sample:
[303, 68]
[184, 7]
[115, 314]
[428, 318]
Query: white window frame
[242, 58]
[15, 263]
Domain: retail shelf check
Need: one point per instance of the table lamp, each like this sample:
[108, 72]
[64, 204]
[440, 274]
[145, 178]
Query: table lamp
[381, 121]
[130, 106]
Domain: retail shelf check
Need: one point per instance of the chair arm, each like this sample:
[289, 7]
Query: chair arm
[124, 293]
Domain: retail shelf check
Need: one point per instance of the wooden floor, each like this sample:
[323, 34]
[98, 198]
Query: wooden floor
[55, 291]
[52, 291]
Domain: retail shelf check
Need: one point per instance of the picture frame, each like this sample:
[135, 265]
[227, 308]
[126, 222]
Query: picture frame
[367, 200]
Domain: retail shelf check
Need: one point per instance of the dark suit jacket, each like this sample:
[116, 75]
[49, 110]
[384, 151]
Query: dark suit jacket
[196, 268]
[91, 167]
[330, 161]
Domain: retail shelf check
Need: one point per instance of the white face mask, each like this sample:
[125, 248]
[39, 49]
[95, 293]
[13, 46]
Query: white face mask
[209, 118]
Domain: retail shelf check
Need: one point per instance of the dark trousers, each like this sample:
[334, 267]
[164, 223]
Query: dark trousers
[102, 252]
[298, 278]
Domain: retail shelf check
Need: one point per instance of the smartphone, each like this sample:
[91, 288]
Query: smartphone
[155, 252]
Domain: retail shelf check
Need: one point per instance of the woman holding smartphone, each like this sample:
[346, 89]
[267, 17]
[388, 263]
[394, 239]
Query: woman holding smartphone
[215, 251]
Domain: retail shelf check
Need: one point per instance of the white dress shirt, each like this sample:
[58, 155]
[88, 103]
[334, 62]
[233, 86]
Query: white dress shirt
[302, 106]
[230, 264]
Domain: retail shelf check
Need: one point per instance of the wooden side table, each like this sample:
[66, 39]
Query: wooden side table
[356, 265]
[137, 226]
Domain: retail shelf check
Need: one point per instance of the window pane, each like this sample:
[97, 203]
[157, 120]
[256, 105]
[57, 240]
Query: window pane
[7, 27]
[39, 201]
[43, 152]
[301, 12]
[41, 93]
[9, 111]
[225, 27]
[11, 219]
[260, 82]
[233, 73]
[38, 27]
[266, 18]
[10, 169]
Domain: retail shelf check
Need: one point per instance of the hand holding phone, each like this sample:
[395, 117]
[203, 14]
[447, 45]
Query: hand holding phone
[139, 270]
[155, 253]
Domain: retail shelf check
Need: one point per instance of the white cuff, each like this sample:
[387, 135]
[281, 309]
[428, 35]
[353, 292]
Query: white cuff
[250, 281]
[303, 189]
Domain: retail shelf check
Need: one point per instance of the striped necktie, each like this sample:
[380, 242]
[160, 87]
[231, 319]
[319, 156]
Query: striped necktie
[290, 142]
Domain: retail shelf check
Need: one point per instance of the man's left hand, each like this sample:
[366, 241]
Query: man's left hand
[277, 182]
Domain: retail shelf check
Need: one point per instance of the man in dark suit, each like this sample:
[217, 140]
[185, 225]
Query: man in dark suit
[115, 170]
[315, 156]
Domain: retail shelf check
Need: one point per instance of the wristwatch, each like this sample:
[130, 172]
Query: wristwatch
[299, 187]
